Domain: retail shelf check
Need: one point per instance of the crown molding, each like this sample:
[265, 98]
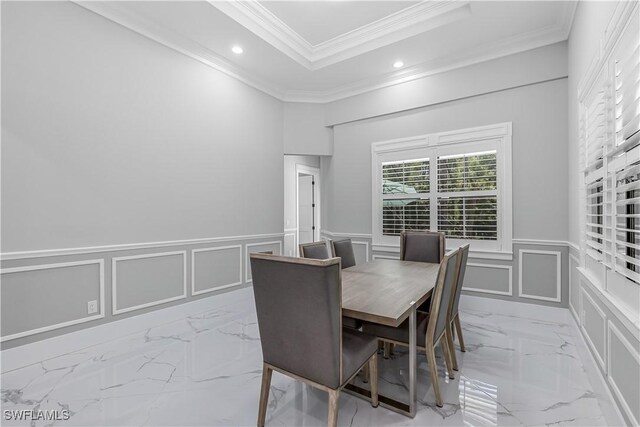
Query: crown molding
[118, 13]
[517, 44]
[260, 21]
[565, 21]
[400, 25]
[114, 11]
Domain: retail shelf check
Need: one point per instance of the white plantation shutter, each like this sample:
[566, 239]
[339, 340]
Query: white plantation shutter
[595, 131]
[467, 196]
[405, 196]
[624, 157]
[627, 217]
[595, 136]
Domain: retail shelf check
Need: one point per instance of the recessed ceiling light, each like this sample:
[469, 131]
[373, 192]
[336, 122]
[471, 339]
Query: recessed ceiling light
[398, 64]
[237, 50]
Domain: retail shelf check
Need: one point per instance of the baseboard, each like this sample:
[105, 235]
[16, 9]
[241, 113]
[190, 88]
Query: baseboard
[28, 354]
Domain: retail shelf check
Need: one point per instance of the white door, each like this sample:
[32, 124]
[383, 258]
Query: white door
[306, 223]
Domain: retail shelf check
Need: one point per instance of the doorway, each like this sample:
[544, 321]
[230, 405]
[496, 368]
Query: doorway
[308, 204]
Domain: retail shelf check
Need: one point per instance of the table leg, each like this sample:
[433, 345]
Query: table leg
[390, 403]
[413, 361]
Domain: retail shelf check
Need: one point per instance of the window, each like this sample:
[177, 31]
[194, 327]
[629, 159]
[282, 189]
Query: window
[455, 182]
[610, 108]
[468, 196]
[405, 196]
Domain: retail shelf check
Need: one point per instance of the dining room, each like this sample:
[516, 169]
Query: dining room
[297, 213]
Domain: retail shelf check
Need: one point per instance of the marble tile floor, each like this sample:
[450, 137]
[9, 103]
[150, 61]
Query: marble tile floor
[521, 368]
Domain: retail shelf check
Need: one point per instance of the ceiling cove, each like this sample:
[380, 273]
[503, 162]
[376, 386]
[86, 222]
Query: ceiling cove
[118, 13]
[397, 26]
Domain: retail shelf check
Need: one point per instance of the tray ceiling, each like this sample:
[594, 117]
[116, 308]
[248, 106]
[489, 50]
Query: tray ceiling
[318, 51]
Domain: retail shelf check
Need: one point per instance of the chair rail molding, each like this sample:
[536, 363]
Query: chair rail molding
[45, 253]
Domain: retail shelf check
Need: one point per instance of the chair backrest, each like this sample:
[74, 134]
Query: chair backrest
[315, 250]
[299, 304]
[344, 250]
[441, 297]
[422, 246]
[463, 256]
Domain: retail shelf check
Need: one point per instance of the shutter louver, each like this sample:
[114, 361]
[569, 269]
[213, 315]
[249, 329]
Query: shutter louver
[405, 196]
[624, 159]
[467, 196]
[595, 134]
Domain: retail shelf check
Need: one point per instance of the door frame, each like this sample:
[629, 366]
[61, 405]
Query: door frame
[315, 172]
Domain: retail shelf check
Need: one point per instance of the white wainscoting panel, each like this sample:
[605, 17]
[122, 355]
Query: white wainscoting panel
[558, 274]
[631, 374]
[114, 282]
[100, 315]
[358, 243]
[217, 286]
[507, 268]
[593, 322]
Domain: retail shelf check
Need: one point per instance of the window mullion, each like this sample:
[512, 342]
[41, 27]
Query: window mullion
[433, 190]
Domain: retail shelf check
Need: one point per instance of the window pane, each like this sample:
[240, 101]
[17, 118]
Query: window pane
[467, 172]
[627, 221]
[468, 217]
[595, 222]
[408, 177]
[404, 214]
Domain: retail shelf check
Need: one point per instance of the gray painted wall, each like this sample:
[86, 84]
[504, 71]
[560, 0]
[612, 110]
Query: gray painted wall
[545, 63]
[109, 138]
[167, 148]
[145, 279]
[305, 131]
[539, 116]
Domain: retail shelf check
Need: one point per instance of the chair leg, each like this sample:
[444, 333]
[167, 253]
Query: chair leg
[444, 343]
[387, 350]
[392, 349]
[334, 396]
[452, 349]
[365, 373]
[459, 329]
[264, 394]
[431, 358]
[373, 378]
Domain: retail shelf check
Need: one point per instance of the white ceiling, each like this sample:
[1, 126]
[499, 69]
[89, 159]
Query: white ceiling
[318, 51]
[319, 21]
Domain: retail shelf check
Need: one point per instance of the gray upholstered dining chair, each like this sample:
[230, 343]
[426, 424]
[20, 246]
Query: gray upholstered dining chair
[454, 315]
[422, 246]
[299, 305]
[433, 327]
[344, 250]
[315, 250]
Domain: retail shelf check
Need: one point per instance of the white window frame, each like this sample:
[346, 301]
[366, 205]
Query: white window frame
[602, 267]
[484, 138]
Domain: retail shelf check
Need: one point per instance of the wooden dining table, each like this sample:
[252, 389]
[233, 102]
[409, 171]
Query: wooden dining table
[388, 292]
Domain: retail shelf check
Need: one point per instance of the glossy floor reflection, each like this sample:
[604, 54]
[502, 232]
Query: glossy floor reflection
[523, 366]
